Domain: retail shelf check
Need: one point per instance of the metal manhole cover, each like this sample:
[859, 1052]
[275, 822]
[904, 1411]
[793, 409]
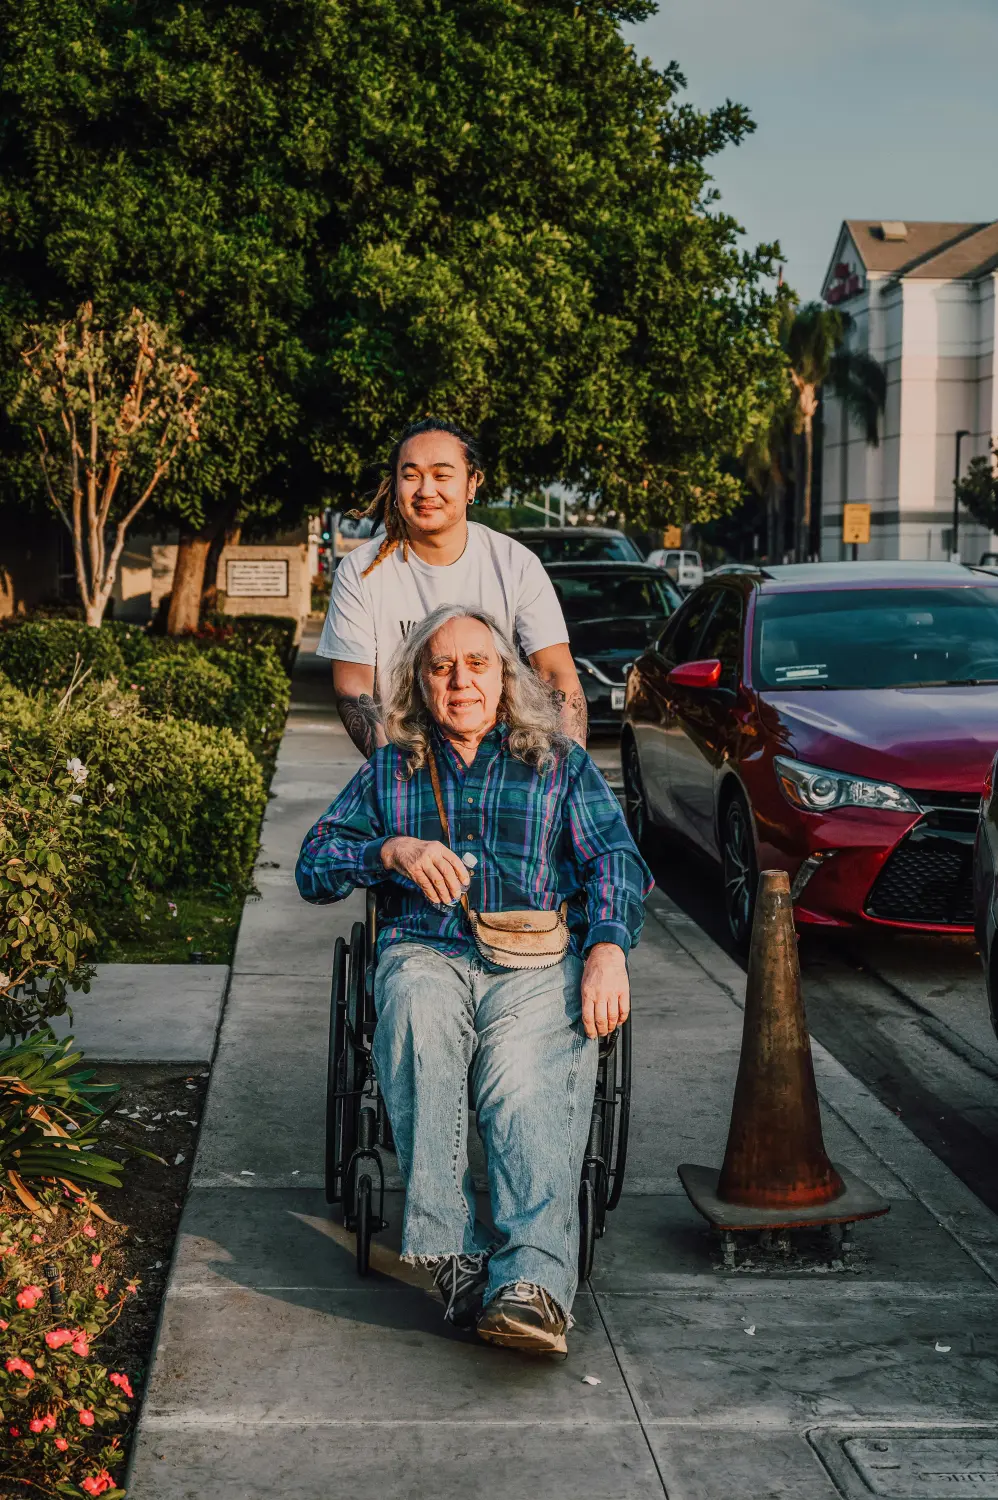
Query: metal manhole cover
[911, 1464]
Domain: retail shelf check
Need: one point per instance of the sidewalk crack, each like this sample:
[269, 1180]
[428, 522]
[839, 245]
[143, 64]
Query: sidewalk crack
[630, 1393]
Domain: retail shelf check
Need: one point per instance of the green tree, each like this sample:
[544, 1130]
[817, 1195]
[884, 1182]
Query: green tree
[355, 213]
[977, 491]
[815, 342]
[111, 409]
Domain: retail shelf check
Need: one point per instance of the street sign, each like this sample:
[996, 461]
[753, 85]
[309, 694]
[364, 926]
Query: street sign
[855, 523]
[672, 536]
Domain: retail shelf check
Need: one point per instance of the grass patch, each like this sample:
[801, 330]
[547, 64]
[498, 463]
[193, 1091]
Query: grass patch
[202, 919]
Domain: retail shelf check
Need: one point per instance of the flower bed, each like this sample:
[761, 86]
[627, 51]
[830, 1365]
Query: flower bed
[162, 1107]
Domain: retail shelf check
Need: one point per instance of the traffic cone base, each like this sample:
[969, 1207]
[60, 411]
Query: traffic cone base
[857, 1201]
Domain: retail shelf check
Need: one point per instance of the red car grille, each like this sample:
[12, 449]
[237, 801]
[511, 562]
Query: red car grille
[927, 878]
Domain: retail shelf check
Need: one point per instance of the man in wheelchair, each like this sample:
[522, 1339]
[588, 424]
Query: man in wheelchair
[509, 892]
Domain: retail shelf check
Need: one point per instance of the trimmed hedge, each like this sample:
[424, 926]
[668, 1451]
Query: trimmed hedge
[127, 805]
[37, 654]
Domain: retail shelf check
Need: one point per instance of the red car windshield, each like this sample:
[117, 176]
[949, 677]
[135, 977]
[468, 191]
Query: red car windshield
[876, 638]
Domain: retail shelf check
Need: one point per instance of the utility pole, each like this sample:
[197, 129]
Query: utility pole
[954, 551]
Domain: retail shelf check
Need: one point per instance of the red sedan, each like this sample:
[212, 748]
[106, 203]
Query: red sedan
[835, 720]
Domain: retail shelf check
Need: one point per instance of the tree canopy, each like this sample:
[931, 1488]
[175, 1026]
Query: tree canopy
[355, 212]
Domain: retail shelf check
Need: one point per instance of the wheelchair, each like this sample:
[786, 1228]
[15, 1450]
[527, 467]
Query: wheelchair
[357, 1123]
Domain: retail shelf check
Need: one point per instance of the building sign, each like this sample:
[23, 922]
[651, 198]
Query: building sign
[672, 536]
[256, 578]
[856, 523]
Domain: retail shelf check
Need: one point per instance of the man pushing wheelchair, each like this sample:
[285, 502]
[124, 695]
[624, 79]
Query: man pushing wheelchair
[509, 893]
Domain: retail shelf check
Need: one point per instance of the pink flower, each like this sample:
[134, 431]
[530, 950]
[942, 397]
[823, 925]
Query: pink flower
[15, 1431]
[36, 1239]
[98, 1483]
[4, 1325]
[17, 1366]
[86, 1416]
[36, 1425]
[80, 1346]
[28, 1296]
[101, 1289]
[95, 1261]
[61, 1444]
[123, 1383]
[132, 1288]
[56, 1337]
[90, 1231]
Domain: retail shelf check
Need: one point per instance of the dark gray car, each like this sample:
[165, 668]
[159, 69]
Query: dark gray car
[613, 611]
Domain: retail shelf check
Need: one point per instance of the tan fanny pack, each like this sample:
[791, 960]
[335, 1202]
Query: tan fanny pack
[510, 939]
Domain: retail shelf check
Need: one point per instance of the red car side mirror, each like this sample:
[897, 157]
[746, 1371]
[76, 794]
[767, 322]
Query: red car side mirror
[697, 674]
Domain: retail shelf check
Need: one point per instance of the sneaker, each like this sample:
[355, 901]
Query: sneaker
[524, 1316]
[461, 1281]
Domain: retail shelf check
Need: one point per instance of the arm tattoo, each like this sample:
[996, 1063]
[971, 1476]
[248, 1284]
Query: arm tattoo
[361, 720]
[574, 714]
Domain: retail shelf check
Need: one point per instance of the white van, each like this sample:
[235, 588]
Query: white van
[684, 568]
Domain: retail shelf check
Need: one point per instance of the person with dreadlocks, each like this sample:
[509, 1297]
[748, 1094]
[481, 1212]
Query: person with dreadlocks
[429, 556]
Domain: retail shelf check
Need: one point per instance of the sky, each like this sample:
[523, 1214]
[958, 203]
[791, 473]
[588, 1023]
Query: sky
[864, 109]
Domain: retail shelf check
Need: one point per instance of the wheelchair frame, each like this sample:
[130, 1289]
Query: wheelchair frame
[357, 1122]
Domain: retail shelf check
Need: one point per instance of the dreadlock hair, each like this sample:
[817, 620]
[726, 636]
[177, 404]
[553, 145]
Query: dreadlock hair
[384, 507]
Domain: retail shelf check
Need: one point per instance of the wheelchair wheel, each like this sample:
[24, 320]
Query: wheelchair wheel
[587, 1227]
[619, 1081]
[365, 1223]
[356, 1062]
[339, 1145]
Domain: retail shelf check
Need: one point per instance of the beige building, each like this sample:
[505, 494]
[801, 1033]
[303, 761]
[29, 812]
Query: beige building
[923, 299]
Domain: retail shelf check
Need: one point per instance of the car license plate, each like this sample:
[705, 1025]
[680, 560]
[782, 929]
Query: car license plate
[616, 697]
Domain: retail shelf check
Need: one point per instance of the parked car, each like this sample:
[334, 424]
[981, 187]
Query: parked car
[612, 611]
[834, 720]
[554, 544]
[684, 568]
[986, 888]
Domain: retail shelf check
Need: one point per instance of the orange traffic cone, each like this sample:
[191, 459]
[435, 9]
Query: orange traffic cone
[776, 1174]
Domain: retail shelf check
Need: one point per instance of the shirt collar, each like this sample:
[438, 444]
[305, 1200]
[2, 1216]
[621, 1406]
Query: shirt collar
[494, 741]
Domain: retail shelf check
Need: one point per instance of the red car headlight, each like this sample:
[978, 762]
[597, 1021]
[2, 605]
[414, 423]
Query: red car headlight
[814, 789]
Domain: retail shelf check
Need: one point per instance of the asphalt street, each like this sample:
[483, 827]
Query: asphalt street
[906, 1013]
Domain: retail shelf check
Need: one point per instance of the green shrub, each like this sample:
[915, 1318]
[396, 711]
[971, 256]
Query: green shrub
[49, 1122]
[185, 685]
[45, 653]
[238, 631]
[228, 797]
[160, 802]
[59, 1404]
[50, 871]
[242, 688]
[258, 705]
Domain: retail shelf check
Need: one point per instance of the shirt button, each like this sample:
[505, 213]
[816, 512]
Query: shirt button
[470, 837]
[471, 801]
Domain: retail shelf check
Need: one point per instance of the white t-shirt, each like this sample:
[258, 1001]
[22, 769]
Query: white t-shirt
[368, 618]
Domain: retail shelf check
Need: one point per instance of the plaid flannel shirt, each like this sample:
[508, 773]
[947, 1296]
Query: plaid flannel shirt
[539, 838]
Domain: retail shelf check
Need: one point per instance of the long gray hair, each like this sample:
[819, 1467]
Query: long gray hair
[526, 706]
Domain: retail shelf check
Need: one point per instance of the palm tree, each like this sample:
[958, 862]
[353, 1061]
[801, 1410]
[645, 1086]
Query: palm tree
[814, 338]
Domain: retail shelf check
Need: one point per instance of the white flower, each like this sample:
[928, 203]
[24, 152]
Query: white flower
[77, 770]
[4, 981]
[74, 798]
[109, 788]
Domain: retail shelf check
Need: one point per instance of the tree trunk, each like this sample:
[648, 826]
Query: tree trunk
[808, 480]
[224, 537]
[188, 580]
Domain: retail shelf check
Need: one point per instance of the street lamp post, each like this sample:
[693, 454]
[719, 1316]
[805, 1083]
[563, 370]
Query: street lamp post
[954, 551]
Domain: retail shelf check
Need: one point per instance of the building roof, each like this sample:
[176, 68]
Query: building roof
[926, 248]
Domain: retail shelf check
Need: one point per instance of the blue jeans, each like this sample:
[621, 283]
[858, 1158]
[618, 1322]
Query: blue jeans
[533, 1076]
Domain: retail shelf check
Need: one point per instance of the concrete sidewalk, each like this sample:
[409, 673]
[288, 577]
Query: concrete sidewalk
[278, 1372]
